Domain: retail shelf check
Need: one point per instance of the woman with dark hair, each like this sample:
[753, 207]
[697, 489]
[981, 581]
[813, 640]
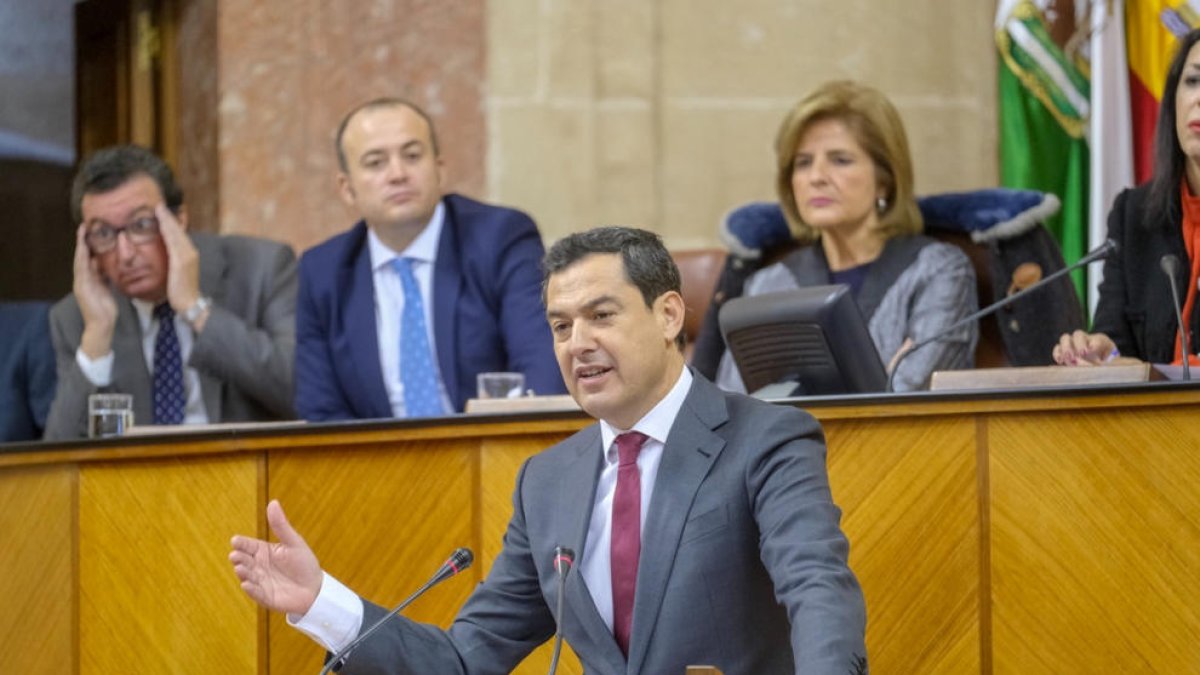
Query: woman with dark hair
[1135, 316]
[845, 182]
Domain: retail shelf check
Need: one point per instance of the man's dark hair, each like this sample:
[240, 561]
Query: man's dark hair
[387, 102]
[647, 263]
[110, 168]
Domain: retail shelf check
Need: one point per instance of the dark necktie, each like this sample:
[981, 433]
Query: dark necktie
[168, 369]
[626, 544]
[422, 397]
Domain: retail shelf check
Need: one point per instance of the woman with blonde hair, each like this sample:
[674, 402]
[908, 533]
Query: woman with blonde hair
[845, 184]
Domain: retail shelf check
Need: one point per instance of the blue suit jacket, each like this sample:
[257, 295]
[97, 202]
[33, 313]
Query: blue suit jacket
[26, 370]
[487, 314]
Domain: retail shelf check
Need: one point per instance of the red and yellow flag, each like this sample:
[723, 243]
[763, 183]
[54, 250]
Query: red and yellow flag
[1151, 28]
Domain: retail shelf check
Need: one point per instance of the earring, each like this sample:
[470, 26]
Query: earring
[881, 204]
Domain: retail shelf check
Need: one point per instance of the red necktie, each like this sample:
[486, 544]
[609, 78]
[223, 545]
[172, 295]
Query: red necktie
[626, 543]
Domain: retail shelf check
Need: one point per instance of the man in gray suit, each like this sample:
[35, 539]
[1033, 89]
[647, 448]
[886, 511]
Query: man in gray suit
[740, 564]
[198, 328]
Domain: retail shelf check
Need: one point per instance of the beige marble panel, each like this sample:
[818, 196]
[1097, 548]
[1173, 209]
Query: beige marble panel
[543, 162]
[747, 49]
[953, 146]
[627, 176]
[714, 159]
[515, 37]
[570, 56]
[626, 49]
[716, 78]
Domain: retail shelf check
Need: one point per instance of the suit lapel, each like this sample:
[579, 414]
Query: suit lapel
[807, 265]
[212, 278]
[447, 283]
[687, 458]
[578, 487]
[355, 276]
[130, 374]
[898, 254]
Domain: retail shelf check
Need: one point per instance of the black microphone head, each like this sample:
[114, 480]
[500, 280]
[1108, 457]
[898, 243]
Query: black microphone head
[1169, 264]
[562, 554]
[461, 559]
[1111, 246]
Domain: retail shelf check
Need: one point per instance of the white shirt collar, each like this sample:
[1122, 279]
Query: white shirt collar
[145, 313]
[423, 248]
[657, 423]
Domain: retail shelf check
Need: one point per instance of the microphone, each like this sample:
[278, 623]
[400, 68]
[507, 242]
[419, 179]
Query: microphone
[458, 561]
[1170, 266]
[564, 559]
[1102, 251]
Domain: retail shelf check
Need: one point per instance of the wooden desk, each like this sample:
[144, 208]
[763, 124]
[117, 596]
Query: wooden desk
[1034, 532]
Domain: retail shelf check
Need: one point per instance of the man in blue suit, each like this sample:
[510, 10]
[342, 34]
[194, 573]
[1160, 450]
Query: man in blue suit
[397, 316]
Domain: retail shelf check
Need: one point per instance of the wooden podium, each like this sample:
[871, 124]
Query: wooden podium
[1024, 532]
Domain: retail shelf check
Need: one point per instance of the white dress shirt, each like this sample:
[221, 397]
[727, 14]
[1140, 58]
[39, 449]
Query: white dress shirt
[596, 565]
[99, 371]
[335, 618]
[389, 304]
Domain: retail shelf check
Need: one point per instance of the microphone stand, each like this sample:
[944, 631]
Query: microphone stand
[1101, 251]
[1170, 265]
[564, 559]
[460, 560]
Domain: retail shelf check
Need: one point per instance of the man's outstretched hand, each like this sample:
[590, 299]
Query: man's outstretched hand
[283, 576]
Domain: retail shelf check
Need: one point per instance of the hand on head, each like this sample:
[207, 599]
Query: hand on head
[1084, 349]
[183, 262]
[283, 576]
[95, 299]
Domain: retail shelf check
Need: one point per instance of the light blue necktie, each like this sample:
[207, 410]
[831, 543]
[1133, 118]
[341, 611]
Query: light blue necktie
[421, 395]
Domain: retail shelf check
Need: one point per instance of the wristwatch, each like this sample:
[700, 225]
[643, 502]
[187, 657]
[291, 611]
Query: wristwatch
[197, 310]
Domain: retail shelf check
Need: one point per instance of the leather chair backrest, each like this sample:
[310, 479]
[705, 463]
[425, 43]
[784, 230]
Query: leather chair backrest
[699, 270]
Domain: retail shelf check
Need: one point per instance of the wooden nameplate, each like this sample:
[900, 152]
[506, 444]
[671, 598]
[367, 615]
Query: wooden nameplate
[1043, 376]
[557, 403]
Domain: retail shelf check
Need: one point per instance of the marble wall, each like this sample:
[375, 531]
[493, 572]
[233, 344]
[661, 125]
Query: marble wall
[286, 71]
[582, 112]
[662, 114]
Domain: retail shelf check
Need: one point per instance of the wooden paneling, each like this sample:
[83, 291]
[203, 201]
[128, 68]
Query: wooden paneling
[1096, 542]
[382, 519]
[501, 461]
[37, 570]
[156, 592]
[909, 496]
[1056, 533]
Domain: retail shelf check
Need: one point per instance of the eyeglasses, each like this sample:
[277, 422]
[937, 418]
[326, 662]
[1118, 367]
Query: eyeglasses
[103, 237]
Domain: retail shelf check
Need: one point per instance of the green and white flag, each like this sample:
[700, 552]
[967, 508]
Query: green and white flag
[1044, 121]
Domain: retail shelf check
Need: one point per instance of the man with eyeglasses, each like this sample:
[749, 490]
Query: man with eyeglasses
[198, 328]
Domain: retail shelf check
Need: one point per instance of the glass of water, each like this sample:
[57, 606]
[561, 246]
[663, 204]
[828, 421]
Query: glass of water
[109, 415]
[499, 385]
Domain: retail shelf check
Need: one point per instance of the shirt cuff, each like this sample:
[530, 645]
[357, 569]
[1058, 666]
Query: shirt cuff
[334, 618]
[98, 371]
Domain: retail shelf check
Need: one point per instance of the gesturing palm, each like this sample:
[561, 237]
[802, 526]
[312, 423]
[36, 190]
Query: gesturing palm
[283, 576]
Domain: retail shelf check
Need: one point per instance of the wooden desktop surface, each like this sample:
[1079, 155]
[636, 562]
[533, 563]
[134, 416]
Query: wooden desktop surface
[1025, 532]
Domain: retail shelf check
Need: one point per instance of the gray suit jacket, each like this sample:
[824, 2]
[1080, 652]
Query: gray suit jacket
[743, 563]
[916, 289]
[244, 355]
